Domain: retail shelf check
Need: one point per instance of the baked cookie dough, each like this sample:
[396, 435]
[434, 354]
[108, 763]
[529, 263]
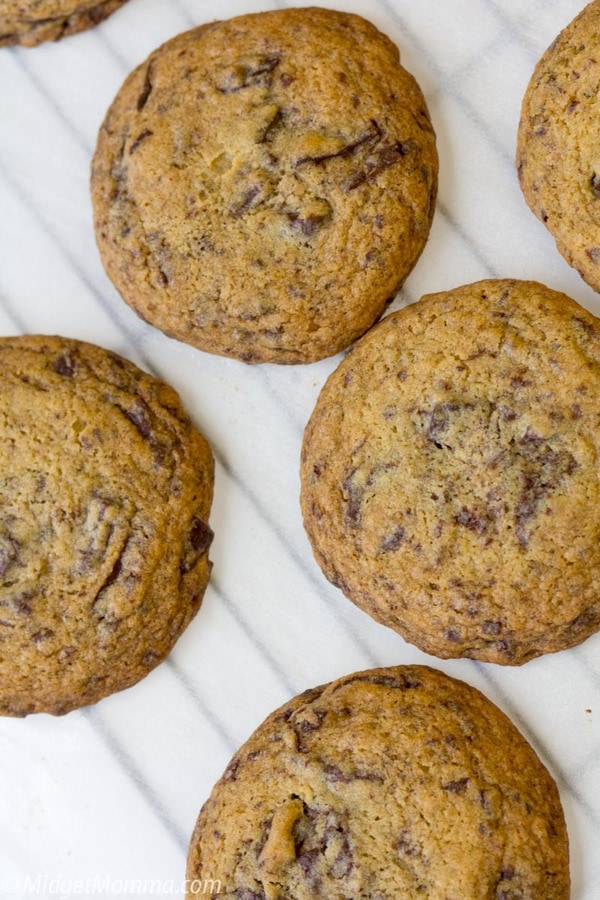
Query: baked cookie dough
[105, 491]
[398, 782]
[262, 186]
[30, 22]
[558, 152]
[450, 473]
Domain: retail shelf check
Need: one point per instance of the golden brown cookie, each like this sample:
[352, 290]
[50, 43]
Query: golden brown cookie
[387, 784]
[30, 22]
[558, 153]
[105, 491]
[262, 186]
[450, 475]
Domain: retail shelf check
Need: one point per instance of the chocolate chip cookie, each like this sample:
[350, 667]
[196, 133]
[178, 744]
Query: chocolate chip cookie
[105, 491]
[30, 22]
[398, 782]
[262, 186]
[558, 157]
[450, 480]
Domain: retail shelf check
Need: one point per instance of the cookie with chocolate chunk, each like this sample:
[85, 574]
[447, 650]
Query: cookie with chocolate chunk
[450, 481]
[30, 22]
[398, 782]
[105, 491]
[262, 186]
[558, 157]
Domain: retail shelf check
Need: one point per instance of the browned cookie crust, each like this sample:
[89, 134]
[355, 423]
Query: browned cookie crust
[392, 783]
[105, 491]
[262, 186]
[450, 474]
[30, 22]
[558, 156]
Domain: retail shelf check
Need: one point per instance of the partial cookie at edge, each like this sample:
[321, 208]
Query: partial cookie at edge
[31, 23]
[386, 783]
[557, 153]
[106, 490]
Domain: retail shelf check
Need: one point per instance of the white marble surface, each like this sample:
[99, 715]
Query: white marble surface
[110, 794]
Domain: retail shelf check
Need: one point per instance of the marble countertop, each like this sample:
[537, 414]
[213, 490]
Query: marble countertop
[109, 795]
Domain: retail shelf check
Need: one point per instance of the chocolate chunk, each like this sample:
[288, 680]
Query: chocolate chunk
[275, 122]
[386, 157]
[43, 635]
[140, 417]
[507, 414]
[452, 635]
[334, 773]
[352, 513]
[376, 163]
[456, 787]
[595, 185]
[479, 523]
[585, 325]
[344, 861]
[594, 254]
[545, 469]
[249, 199]
[403, 682]
[372, 135]
[66, 653]
[231, 770]
[584, 620]
[493, 628]
[141, 137]
[438, 421]
[199, 539]
[146, 89]
[150, 659]
[19, 603]
[318, 835]
[65, 365]
[307, 226]
[393, 540]
[8, 554]
[304, 726]
[405, 847]
[248, 74]
[355, 485]
[519, 381]
[308, 861]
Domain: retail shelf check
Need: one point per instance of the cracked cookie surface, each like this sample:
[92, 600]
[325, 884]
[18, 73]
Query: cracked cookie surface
[31, 22]
[450, 472]
[558, 158]
[263, 185]
[397, 782]
[105, 491]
